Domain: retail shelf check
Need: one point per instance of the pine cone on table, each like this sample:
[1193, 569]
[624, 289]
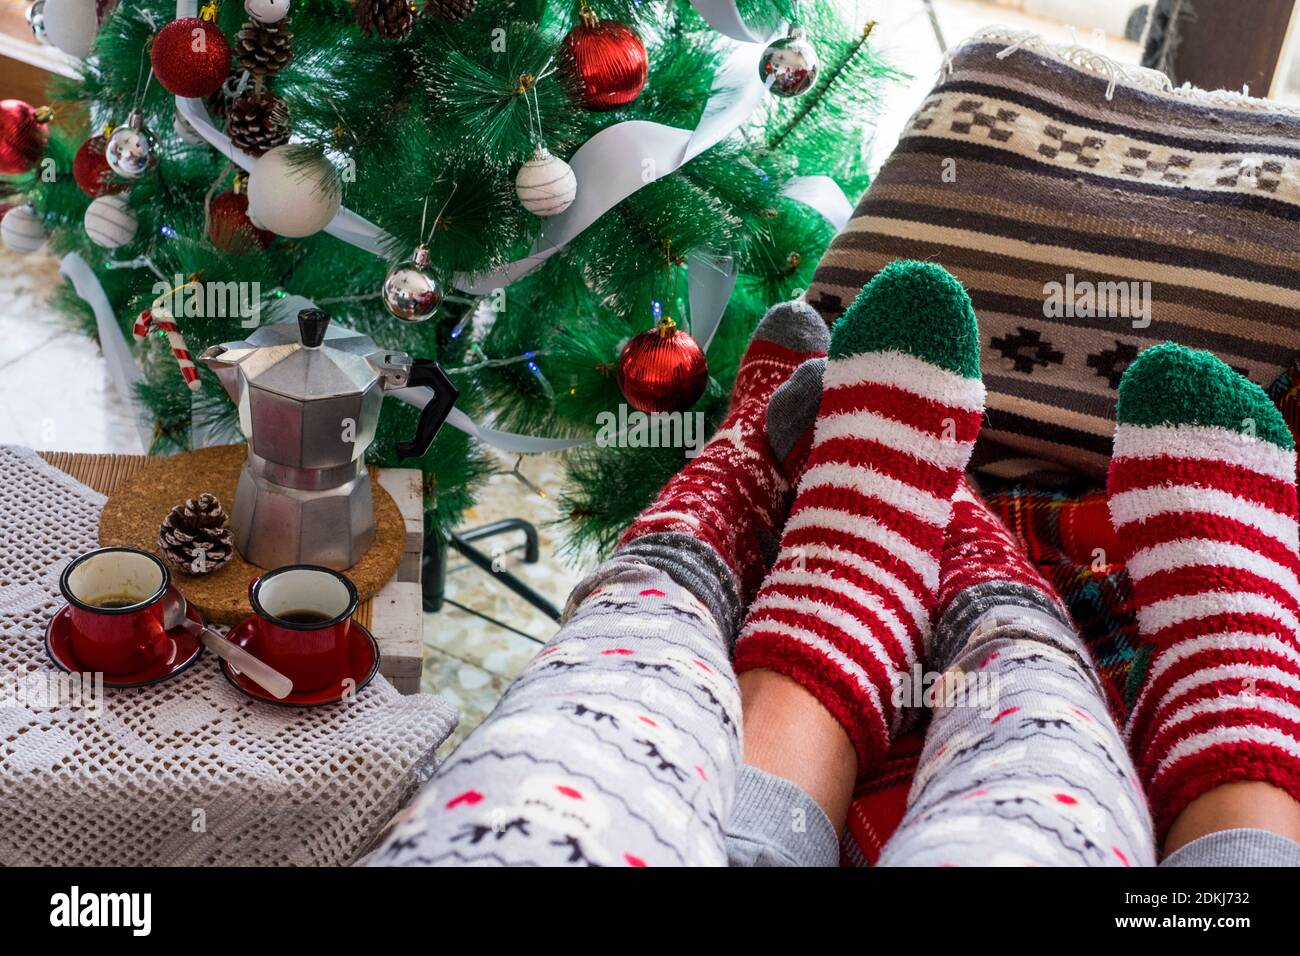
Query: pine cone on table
[194, 536]
[258, 122]
[455, 10]
[391, 19]
[264, 48]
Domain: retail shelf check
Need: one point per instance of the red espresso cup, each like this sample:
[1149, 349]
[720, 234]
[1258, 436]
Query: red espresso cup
[115, 602]
[304, 614]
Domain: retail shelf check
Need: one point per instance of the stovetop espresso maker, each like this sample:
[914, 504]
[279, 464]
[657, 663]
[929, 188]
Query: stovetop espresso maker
[309, 396]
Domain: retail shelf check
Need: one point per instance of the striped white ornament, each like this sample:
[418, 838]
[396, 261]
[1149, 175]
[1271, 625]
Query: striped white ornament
[22, 230]
[545, 184]
[109, 222]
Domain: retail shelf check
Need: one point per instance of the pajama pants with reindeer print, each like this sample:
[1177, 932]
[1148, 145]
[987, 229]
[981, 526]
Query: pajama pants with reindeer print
[620, 745]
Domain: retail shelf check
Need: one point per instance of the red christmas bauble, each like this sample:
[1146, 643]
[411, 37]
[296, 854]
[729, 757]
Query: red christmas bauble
[90, 169]
[229, 227]
[23, 135]
[190, 57]
[662, 370]
[607, 62]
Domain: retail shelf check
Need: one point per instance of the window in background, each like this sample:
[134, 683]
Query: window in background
[906, 33]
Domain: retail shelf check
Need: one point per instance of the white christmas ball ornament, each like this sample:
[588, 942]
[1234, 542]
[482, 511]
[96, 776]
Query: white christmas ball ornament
[292, 193]
[545, 184]
[22, 229]
[109, 221]
[71, 25]
[267, 11]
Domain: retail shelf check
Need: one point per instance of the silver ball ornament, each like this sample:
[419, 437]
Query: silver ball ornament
[789, 65]
[36, 20]
[411, 291]
[131, 151]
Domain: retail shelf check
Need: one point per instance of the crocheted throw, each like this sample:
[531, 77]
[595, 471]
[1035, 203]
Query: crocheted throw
[186, 772]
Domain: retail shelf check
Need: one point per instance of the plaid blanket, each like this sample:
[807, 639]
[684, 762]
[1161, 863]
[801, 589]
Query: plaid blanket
[1066, 531]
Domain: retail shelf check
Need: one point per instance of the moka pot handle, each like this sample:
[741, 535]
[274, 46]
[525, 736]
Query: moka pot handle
[426, 372]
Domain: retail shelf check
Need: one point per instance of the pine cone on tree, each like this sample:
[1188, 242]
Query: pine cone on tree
[455, 10]
[264, 48]
[258, 122]
[194, 536]
[391, 19]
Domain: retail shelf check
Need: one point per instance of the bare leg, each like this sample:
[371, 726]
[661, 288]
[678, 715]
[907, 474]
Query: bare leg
[1248, 805]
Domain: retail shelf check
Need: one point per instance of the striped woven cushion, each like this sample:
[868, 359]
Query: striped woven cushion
[1019, 176]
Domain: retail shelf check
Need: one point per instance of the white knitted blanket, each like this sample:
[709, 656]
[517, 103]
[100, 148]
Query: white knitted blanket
[185, 772]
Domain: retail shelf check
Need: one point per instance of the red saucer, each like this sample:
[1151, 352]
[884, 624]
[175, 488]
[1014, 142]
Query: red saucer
[363, 664]
[185, 650]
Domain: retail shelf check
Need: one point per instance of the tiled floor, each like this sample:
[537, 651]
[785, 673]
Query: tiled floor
[467, 659]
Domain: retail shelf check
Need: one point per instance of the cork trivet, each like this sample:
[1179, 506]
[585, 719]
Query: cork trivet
[136, 508]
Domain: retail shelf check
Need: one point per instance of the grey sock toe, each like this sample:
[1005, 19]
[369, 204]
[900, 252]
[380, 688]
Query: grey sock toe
[796, 325]
[793, 406]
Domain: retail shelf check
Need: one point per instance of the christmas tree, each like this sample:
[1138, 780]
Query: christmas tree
[446, 140]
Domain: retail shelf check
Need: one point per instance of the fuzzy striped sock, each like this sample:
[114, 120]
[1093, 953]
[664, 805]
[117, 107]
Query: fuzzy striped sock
[1203, 499]
[714, 527]
[848, 604]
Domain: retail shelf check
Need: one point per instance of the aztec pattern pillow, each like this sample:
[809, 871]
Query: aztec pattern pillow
[1090, 214]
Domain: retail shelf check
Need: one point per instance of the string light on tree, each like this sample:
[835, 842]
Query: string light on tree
[606, 61]
[190, 56]
[663, 369]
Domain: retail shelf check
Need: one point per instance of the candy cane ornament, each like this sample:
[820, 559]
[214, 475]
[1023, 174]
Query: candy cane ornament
[161, 318]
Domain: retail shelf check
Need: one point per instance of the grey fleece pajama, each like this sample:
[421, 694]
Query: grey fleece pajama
[619, 745]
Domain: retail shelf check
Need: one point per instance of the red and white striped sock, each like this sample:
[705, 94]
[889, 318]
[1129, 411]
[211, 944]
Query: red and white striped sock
[849, 602]
[1203, 499]
[711, 524]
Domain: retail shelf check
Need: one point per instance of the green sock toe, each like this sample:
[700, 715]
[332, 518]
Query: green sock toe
[913, 307]
[1169, 384]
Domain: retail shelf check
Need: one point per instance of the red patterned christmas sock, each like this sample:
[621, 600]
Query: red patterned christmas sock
[1203, 498]
[848, 604]
[714, 523]
[982, 566]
